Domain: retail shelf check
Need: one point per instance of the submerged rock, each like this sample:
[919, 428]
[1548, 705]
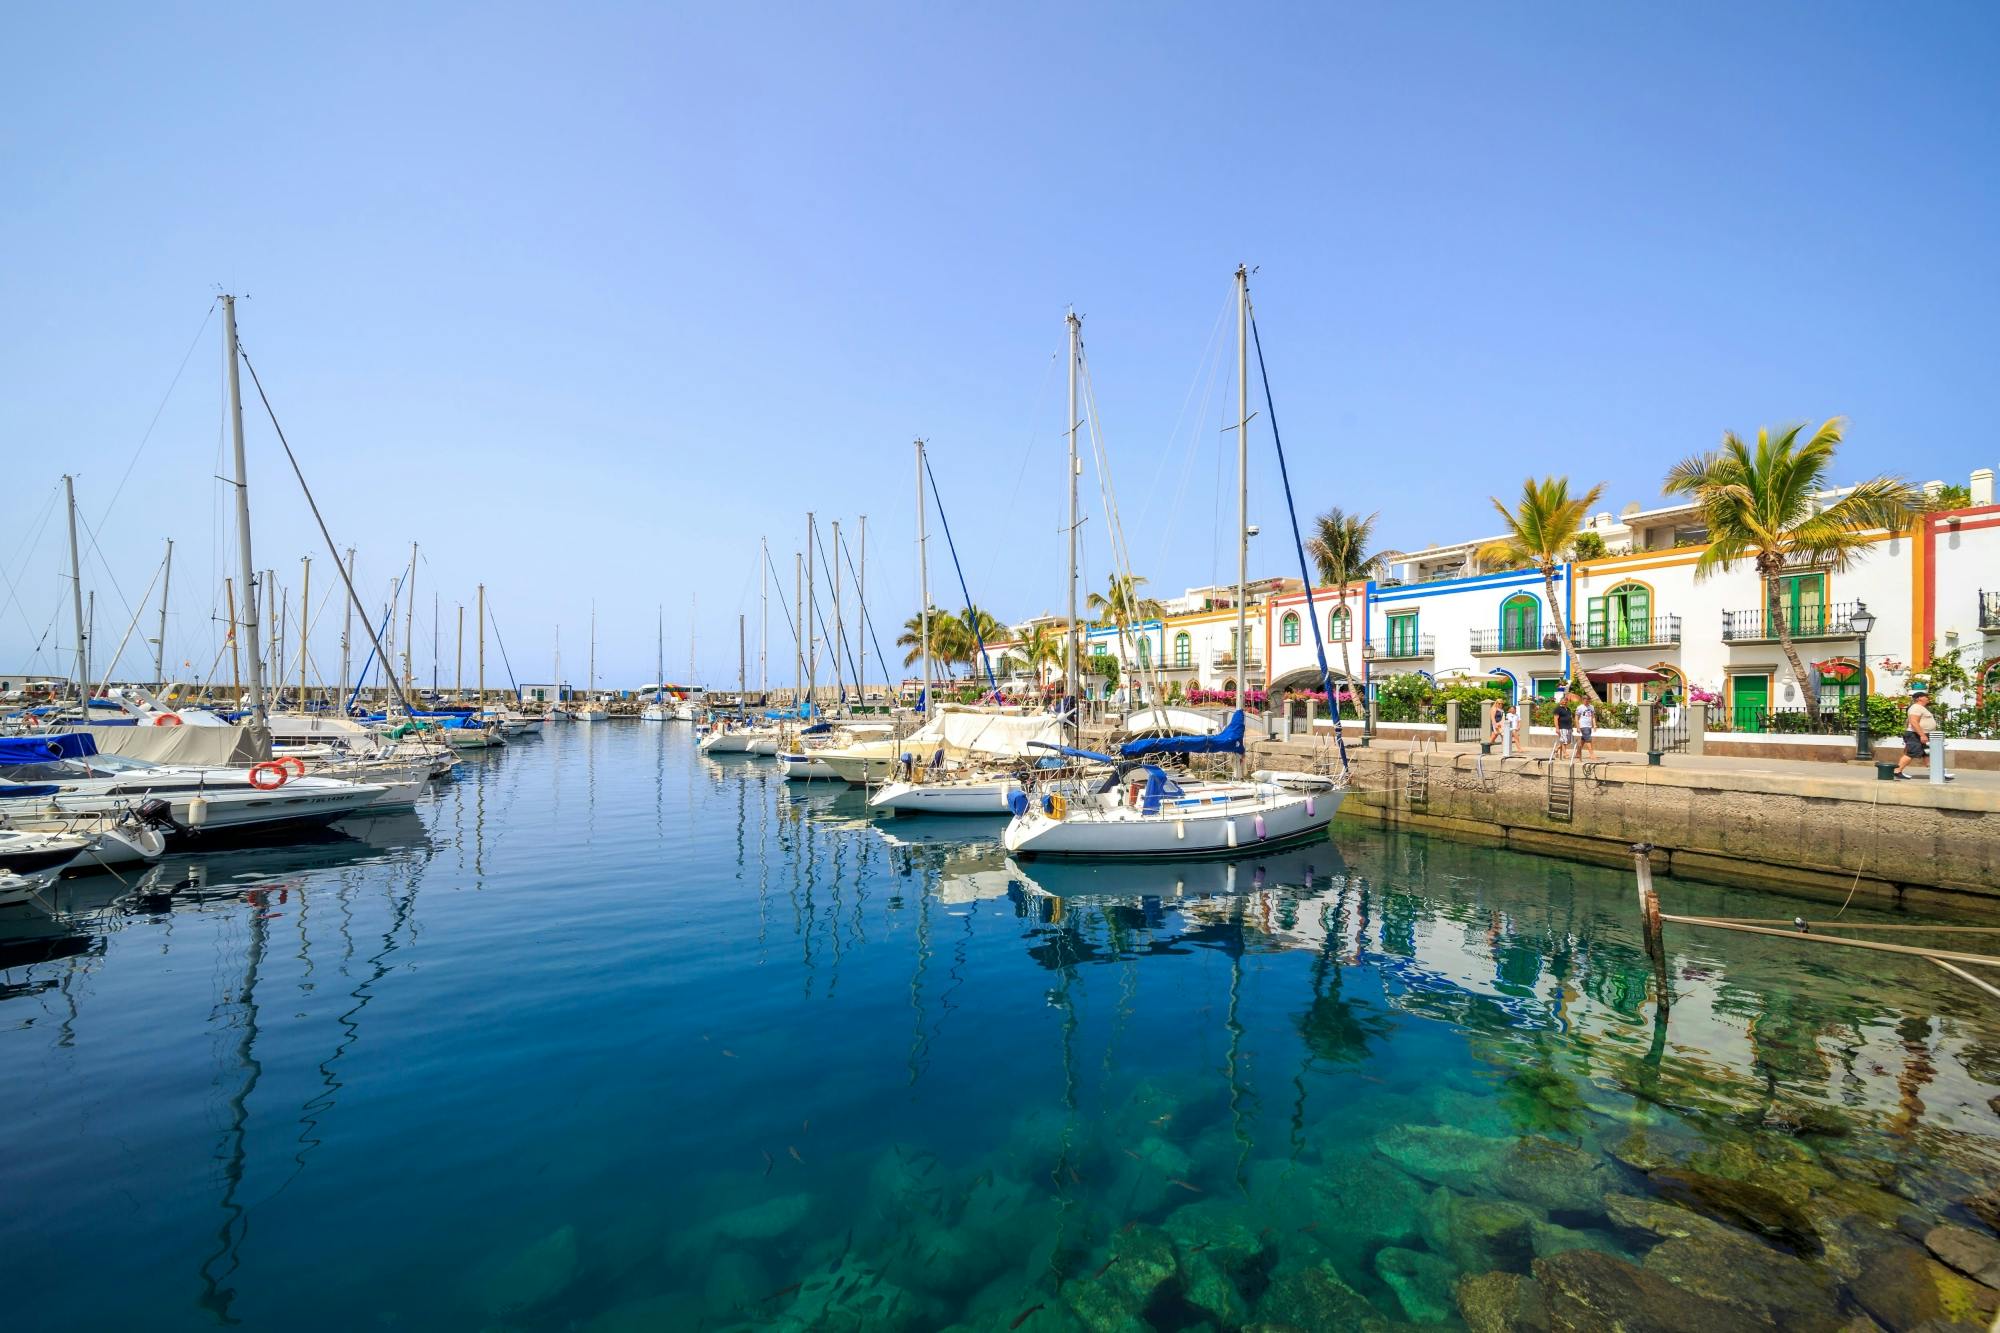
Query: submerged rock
[764, 1221]
[1664, 1221]
[1480, 1234]
[1550, 1238]
[1589, 1292]
[531, 1276]
[850, 1297]
[1443, 1155]
[1736, 1270]
[735, 1281]
[1906, 1289]
[1976, 1256]
[1644, 1148]
[1208, 1283]
[1314, 1297]
[1422, 1283]
[1985, 1207]
[1502, 1303]
[1743, 1203]
[1552, 1175]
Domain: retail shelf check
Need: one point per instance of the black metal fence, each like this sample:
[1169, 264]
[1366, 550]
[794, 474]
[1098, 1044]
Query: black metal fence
[1514, 640]
[1793, 722]
[1807, 622]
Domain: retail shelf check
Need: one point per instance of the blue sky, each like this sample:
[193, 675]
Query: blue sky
[586, 301]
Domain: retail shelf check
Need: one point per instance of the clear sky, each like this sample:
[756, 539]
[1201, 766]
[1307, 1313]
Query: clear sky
[586, 299]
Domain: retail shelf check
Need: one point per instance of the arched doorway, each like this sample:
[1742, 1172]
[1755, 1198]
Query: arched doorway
[1521, 623]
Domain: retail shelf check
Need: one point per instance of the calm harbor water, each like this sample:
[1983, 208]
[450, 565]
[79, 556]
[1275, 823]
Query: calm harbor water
[610, 1036]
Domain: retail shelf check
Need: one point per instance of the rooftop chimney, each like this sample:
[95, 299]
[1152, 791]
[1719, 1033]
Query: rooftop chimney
[1982, 486]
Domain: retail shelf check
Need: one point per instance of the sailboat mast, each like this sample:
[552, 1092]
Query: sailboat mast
[235, 649]
[812, 613]
[589, 685]
[659, 650]
[305, 617]
[482, 645]
[742, 686]
[458, 683]
[861, 596]
[764, 615]
[248, 570]
[798, 629]
[346, 631]
[76, 602]
[160, 644]
[1071, 666]
[923, 586]
[839, 629]
[410, 626]
[1242, 654]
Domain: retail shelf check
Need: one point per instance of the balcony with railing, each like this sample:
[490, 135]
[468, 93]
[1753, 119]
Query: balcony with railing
[1835, 621]
[1226, 657]
[1989, 612]
[1403, 648]
[1500, 642]
[1623, 632]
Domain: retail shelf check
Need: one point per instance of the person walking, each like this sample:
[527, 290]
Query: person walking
[1565, 728]
[1586, 727]
[1507, 720]
[1918, 725]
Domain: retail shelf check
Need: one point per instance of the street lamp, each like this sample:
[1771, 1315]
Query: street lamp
[1862, 621]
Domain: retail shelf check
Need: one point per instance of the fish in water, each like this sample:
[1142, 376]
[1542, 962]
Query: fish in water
[1074, 1178]
[781, 1291]
[805, 1125]
[795, 1155]
[1106, 1267]
[768, 1163]
[731, 1054]
[1191, 1189]
[1309, 1227]
[1126, 1229]
[1134, 1156]
[1022, 1317]
[1164, 1119]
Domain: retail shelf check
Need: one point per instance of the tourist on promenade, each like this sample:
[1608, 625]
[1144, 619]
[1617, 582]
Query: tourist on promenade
[1586, 725]
[1508, 720]
[1565, 729]
[1917, 729]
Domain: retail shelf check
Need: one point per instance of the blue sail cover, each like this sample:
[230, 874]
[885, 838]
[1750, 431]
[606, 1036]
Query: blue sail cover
[41, 749]
[1227, 741]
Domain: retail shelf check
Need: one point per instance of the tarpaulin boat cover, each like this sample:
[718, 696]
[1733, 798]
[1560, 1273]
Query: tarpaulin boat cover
[206, 747]
[1227, 741]
[41, 749]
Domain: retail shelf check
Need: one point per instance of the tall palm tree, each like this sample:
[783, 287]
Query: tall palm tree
[1339, 547]
[976, 627]
[1763, 506]
[1042, 648]
[1541, 529]
[1121, 605]
[912, 637]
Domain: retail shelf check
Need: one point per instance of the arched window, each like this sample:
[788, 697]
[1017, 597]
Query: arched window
[1183, 649]
[1339, 624]
[1288, 629]
[1520, 623]
[1229, 687]
[1145, 651]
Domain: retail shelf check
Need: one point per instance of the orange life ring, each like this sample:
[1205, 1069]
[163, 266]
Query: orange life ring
[276, 772]
[292, 764]
[166, 719]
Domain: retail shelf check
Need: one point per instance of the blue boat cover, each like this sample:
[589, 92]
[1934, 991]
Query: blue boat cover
[1227, 741]
[9, 790]
[1073, 752]
[41, 749]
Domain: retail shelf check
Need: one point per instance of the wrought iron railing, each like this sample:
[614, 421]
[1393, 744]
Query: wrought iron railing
[1514, 641]
[1807, 622]
[1623, 632]
[1792, 721]
[1405, 649]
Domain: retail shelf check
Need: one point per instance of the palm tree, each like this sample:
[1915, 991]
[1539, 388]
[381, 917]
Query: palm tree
[1121, 605]
[912, 637]
[1339, 546]
[1763, 506]
[1041, 648]
[974, 628]
[1541, 529]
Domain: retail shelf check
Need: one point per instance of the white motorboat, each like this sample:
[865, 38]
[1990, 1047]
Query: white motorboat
[592, 712]
[108, 840]
[20, 888]
[947, 796]
[805, 766]
[28, 853]
[659, 712]
[1141, 813]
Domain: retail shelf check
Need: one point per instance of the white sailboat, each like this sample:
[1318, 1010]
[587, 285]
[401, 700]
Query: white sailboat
[592, 708]
[1137, 811]
[659, 710]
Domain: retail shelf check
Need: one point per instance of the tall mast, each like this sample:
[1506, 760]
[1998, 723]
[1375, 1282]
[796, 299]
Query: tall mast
[811, 613]
[482, 646]
[160, 644]
[764, 615]
[89, 632]
[458, 685]
[346, 631]
[659, 651]
[248, 572]
[839, 629]
[691, 615]
[76, 602]
[590, 685]
[410, 626]
[235, 649]
[1071, 649]
[923, 586]
[281, 610]
[742, 686]
[1242, 653]
[305, 617]
[861, 596]
[436, 629]
[798, 629]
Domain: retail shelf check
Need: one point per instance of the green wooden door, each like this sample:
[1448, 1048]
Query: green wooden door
[1631, 615]
[1750, 697]
[1802, 598]
[1403, 636]
[1520, 624]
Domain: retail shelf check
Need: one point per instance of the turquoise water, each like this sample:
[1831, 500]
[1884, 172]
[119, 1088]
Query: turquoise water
[612, 1036]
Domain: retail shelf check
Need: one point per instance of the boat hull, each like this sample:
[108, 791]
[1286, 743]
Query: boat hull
[1231, 829]
[806, 768]
[945, 798]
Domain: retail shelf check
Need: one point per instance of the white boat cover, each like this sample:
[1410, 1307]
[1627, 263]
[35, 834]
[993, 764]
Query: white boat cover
[207, 747]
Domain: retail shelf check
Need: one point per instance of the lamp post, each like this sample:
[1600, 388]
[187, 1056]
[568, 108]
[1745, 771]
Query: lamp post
[1863, 620]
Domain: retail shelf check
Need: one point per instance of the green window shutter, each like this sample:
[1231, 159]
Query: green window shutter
[1639, 616]
[1596, 614]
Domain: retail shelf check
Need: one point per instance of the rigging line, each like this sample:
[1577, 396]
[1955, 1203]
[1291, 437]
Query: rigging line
[971, 612]
[834, 642]
[102, 563]
[333, 550]
[1170, 526]
[1298, 540]
[12, 592]
[1027, 456]
[867, 621]
[1207, 355]
[783, 605]
[494, 621]
[164, 399]
[1121, 552]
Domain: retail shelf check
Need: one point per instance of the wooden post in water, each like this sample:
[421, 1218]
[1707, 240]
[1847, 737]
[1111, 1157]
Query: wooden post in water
[1650, 926]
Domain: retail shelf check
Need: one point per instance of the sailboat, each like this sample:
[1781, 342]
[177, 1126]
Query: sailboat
[686, 709]
[659, 710]
[1137, 810]
[592, 709]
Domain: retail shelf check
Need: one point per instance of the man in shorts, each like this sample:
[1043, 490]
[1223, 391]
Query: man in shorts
[1586, 727]
[1917, 728]
[1565, 728]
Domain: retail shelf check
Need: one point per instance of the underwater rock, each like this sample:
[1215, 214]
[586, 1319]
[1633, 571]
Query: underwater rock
[1144, 1259]
[735, 1281]
[649, 1314]
[908, 1182]
[1588, 1292]
[536, 1273]
[1443, 1155]
[1985, 1207]
[1315, 1298]
[1976, 1256]
[1502, 1303]
[1477, 1112]
[941, 1260]
[995, 1205]
[1741, 1203]
[1736, 1270]
[1478, 1234]
[1550, 1238]
[1552, 1175]
[1866, 1170]
[764, 1221]
[1222, 1228]
[1906, 1289]
[1646, 1149]
[1099, 1308]
[1422, 1283]
[1665, 1221]
[850, 1297]
[1208, 1284]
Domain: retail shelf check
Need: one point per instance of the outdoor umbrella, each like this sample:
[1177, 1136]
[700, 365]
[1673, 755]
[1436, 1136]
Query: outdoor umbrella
[1624, 673]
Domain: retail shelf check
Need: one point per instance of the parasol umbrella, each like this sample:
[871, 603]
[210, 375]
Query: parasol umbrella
[1624, 673]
